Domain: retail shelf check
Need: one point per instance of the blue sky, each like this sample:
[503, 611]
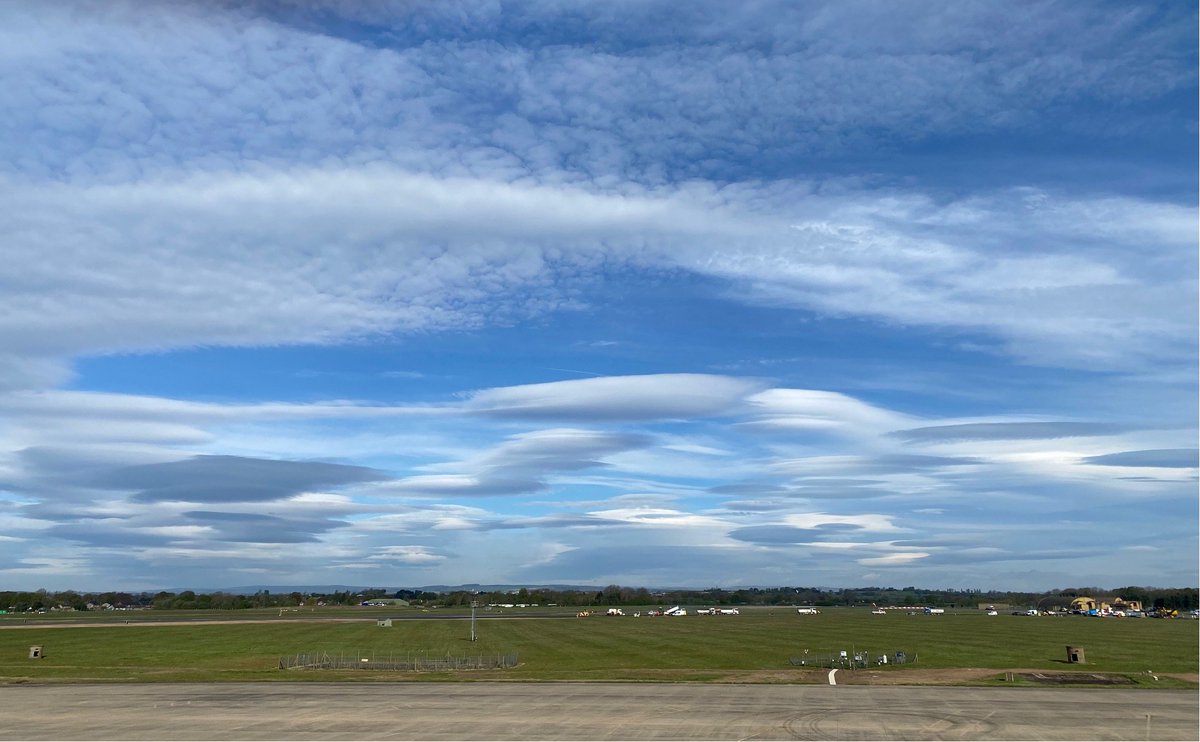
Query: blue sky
[399, 294]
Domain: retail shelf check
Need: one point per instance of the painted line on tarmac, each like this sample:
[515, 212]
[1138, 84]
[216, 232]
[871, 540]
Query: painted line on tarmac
[831, 673]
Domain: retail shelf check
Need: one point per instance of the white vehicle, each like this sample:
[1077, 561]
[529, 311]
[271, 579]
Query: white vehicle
[993, 613]
[615, 612]
[675, 611]
[807, 610]
[728, 611]
[879, 612]
[934, 611]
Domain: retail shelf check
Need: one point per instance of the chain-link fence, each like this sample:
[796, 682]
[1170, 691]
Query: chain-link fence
[374, 661]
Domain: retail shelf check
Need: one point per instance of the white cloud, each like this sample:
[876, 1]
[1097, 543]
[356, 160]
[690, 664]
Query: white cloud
[822, 412]
[349, 268]
[893, 559]
[618, 397]
[353, 252]
[411, 555]
[867, 522]
[658, 517]
[51, 567]
[267, 180]
[524, 463]
[669, 94]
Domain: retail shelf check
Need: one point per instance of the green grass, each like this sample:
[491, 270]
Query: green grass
[596, 648]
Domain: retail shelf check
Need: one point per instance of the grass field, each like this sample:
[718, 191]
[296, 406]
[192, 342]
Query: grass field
[754, 646]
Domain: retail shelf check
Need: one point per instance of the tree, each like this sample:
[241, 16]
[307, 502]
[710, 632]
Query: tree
[610, 595]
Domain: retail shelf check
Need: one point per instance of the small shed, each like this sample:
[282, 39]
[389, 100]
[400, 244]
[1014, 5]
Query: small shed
[35, 652]
[1075, 655]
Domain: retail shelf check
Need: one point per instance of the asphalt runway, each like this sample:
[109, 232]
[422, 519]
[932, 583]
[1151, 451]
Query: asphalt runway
[587, 711]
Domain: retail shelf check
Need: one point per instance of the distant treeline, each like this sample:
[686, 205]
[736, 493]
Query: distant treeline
[1182, 599]
[616, 595]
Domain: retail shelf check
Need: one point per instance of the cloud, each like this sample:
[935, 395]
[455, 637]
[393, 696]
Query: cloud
[917, 263]
[774, 497]
[647, 397]
[422, 518]
[657, 517]
[780, 534]
[852, 465]
[464, 485]
[357, 252]
[524, 463]
[261, 528]
[198, 529]
[991, 554]
[554, 521]
[819, 411]
[231, 479]
[755, 506]
[867, 521]
[891, 560]
[850, 194]
[1009, 431]
[669, 94]
[112, 535]
[356, 182]
[559, 449]
[1167, 458]
[408, 555]
[643, 564]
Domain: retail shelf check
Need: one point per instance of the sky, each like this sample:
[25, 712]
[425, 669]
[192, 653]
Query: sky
[646, 293]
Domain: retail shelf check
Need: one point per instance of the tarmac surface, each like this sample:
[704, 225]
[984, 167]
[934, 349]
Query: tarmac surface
[587, 711]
